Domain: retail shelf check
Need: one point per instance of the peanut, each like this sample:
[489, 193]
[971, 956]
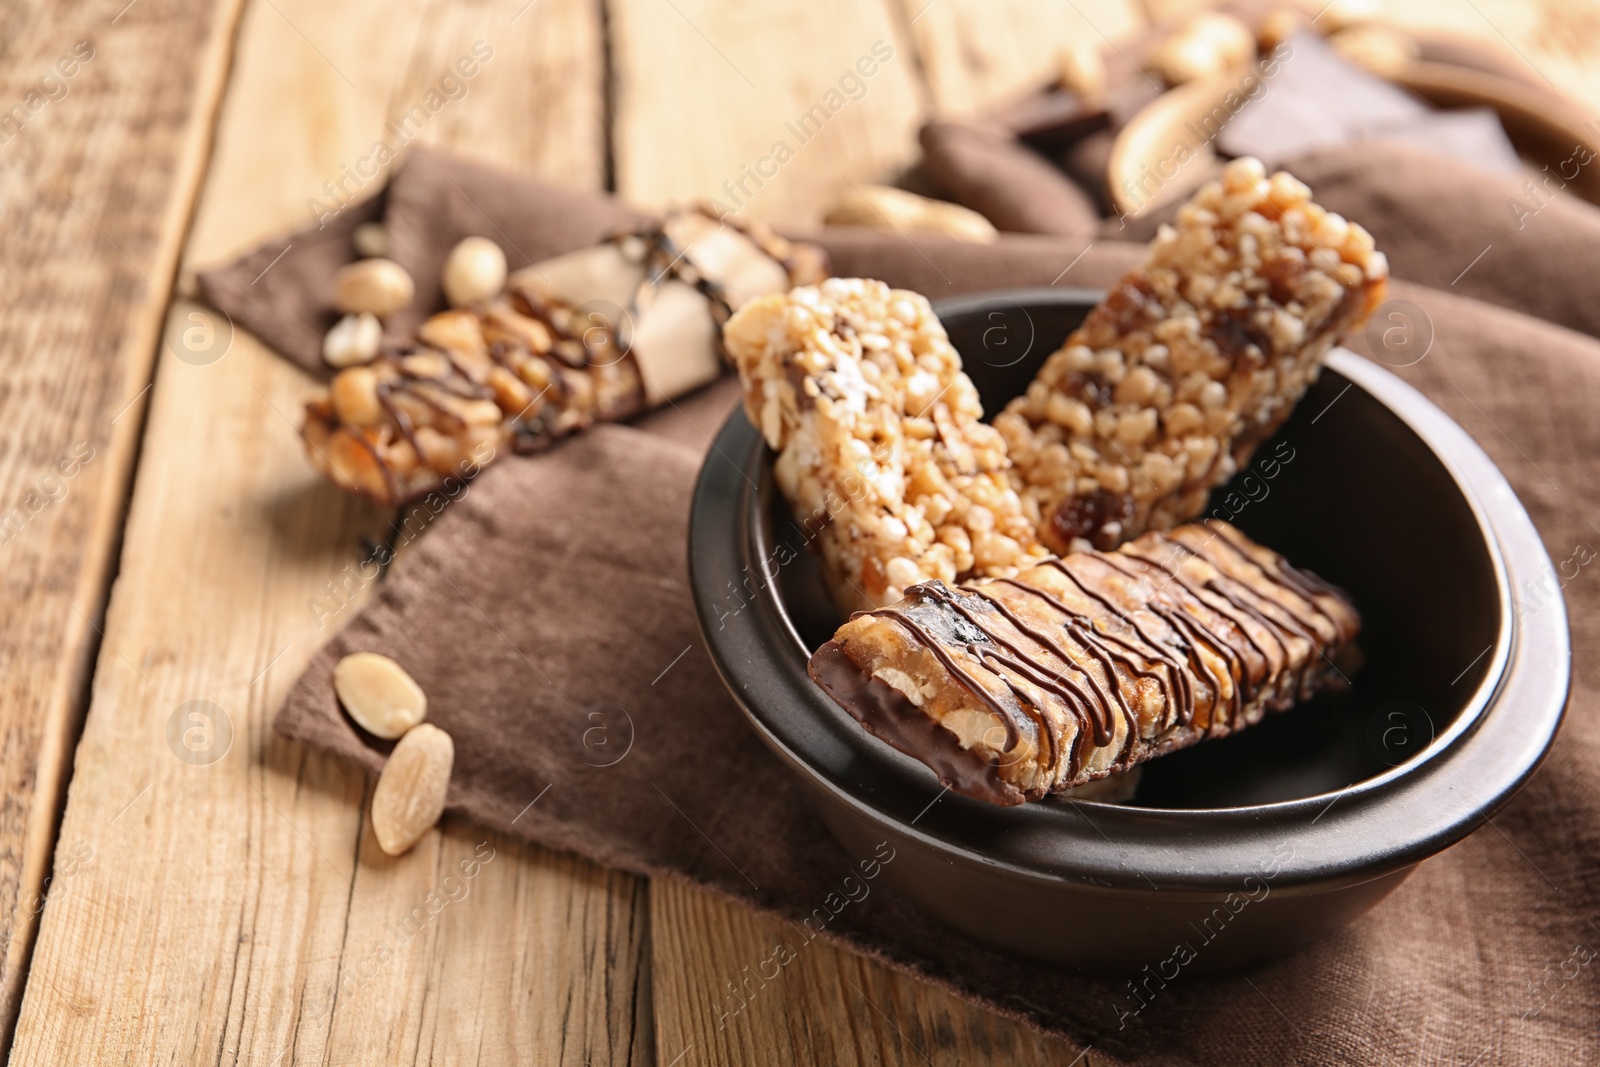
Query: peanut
[474, 272]
[1083, 68]
[355, 397]
[1207, 44]
[1383, 51]
[380, 286]
[353, 339]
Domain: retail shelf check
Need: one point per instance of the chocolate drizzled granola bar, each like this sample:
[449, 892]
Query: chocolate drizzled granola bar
[473, 383]
[1190, 362]
[599, 334]
[1081, 667]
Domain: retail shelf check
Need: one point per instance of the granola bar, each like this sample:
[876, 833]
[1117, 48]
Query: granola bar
[1191, 361]
[882, 453]
[1083, 666]
[599, 334]
[472, 384]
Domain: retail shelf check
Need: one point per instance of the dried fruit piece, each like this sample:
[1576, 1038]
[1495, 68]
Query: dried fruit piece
[379, 695]
[410, 795]
[380, 286]
[474, 272]
[354, 339]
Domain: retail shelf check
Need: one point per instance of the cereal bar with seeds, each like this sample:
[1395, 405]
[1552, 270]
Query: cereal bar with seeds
[598, 334]
[1190, 362]
[882, 453]
[1085, 665]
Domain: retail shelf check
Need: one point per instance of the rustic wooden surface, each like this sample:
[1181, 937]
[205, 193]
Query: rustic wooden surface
[239, 911]
[706, 90]
[90, 247]
[976, 55]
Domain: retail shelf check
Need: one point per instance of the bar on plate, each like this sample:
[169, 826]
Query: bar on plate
[881, 448]
[1083, 666]
[1192, 360]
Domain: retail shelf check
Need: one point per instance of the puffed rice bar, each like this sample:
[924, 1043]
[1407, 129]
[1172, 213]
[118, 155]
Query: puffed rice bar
[881, 451]
[1191, 361]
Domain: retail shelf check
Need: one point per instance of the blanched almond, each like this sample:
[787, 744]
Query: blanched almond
[886, 208]
[410, 794]
[379, 695]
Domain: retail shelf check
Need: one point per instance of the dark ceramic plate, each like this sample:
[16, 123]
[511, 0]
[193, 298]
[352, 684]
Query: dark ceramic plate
[1244, 848]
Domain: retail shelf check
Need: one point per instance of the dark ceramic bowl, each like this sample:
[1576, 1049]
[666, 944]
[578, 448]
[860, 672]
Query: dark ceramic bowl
[1243, 848]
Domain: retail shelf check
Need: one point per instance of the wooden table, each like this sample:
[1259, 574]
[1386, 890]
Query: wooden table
[162, 534]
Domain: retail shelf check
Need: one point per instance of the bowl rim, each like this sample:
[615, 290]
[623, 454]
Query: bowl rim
[1420, 802]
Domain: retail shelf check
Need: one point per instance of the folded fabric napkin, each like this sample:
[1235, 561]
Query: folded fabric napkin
[1433, 217]
[1316, 99]
[547, 615]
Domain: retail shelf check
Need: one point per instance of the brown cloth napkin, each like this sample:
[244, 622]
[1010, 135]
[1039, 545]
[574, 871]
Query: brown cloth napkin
[283, 291]
[1025, 194]
[1433, 217]
[548, 617]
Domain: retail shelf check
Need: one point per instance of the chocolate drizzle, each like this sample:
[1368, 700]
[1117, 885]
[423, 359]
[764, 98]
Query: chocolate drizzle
[1301, 591]
[1008, 716]
[1106, 648]
[1056, 660]
[1176, 666]
[1245, 678]
[1095, 714]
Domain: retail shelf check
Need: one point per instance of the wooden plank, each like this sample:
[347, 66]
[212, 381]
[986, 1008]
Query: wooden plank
[763, 107]
[105, 120]
[239, 909]
[977, 54]
[827, 1005]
